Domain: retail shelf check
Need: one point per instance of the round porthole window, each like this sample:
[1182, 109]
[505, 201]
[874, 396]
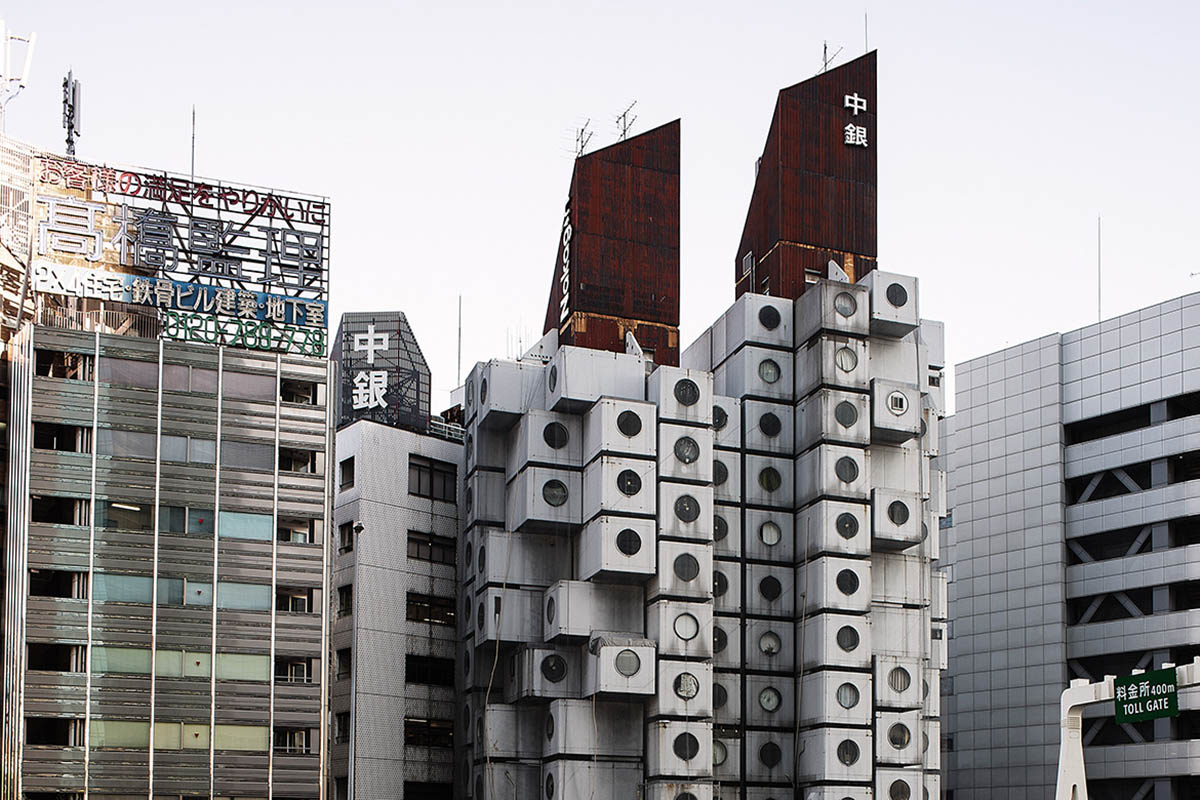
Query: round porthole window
[481, 559]
[720, 695]
[770, 754]
[769, 533]
[899, 791]
[847, 639]
[770, 588]
[629, 423]
[549, 787]
[479, 618]
[470, 443]
[847, 582]
[770, 479]
[720, 639]
[470, 393]
[768, 370]
[899, 679]
[686, 449]
[845, 359]
[720, 473]
[466, 665]
[555, 435]
[554, 668]
[628, 663]
[845, 413]
[554, 492]
[897, 512]
[847, 752]
[720, 418]
[720, 584]
[686, 686]
[686, 567]
[552, 378]
[687, 392]
[769, 643]
[550, 608]
[686, 627]
[686, 746]
[847, 695]
[846, 525]
[897, 295]
[720, 528]
[846, 469]
[770, 425]
[549, 727]
[470, 498]
[685, 796]
[628, 542]
[483, 391]
[479, 786]
[897, 403]
[769, 699]
[687, 508]
[720, 753]
[769, 317]
[629, 482]
[845, 304]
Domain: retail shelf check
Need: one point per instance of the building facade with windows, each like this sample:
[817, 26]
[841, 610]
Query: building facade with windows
[1074, 464]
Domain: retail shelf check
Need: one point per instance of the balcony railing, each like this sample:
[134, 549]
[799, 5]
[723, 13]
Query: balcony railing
[121, 323]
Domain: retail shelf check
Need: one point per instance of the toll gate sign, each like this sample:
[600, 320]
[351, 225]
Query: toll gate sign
[1150, 695]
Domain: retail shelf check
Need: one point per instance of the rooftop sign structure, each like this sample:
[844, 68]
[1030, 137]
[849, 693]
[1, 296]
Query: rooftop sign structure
[382, 374]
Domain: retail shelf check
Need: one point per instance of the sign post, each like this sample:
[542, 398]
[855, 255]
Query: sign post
[1150, 695]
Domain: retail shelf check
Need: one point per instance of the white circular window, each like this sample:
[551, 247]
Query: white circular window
[899, 736]
[770, 699]
[845, 359]
[768, 370]
[847, 695]
[769, 643]
[769, 533]
[686, 627]
[720, 753]
[899, 679]
[628, 663]
[845, 304]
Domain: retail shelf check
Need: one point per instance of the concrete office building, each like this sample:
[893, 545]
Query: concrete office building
[393, 590]
[1074, 465]
[164, 608]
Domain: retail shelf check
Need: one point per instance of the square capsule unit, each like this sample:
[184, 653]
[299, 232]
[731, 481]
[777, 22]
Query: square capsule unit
[681, 395]
[508, 615]
[506, 731]
[834, 527]
[897, 520]
[544, 672]
[894, 311]
[727, 531]
[679, 748]
[831, 697]
[727, 422]
[618, 665]
[727, 476]
[504, 780]
[684, 689]
[754, 319]
[727, 586]
[832, 583]
[501, 391]
[617, 427]
[899, 782]
[895, 411]
[619, 486]
[616, 549]
[835, 641]
[727, 761]
[931, 747]
[528, 560]
[832, 472]
[756, 372]
[769, 756]
[727, 642]
[576, 377]
[834, 362]
[685, 511]
[484, 498]
[898, 683]
[586, 728]
[484, 448]
[769, 481]
[833, 416]
[770, 590]
[685, 453]
[832, 307]
[898, 579]
[771, 701]
[682, 629]
[676, 790]
[685, 571]
[574, 609]
[546, 439]
[727, 698]
[836, 755]
[770, 645]
[898, 738]
[769, 534]
[603, 780]
[767, 427]
[900, 631]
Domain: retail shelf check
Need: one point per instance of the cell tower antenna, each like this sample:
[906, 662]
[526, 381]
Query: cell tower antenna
[866, 39]
[582, 137]
[72, 109]
[193, 142]
[625, 122]
[10, 84]
[827, 59]
[458, 374]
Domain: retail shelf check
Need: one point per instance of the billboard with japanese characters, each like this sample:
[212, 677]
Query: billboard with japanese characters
[382, 374]
[215, 262]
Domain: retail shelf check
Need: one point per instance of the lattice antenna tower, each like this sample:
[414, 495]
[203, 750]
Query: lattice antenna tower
[582, 137]
[625, 122]
[72, 109]
[827, 59]
[11, 84]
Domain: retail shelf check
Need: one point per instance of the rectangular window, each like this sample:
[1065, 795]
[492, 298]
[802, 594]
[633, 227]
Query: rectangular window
[345, 537]
[294, 600]
[176, 735]
[293, 740]
[200, 522]
[241, 737]
[57, 583]
[170, 591]
[63, 438]
[54, 657]
[174, 448]
[131, 660]
[242, 667]
[427, 608]
[202, 451]
[108, 588]
[128, 372]
[57, 364]
[247, 455]
[292, 390]
[244, 525]
[346, 473]
[341, 727]
[345, 600]
[182, 664]
[243, 596]
[125, 515]
[54, 731]
[428, 477]
[428, 732]
[294, 459]
[293, 670]
[345, 663]
[427, 547]
[181, 378]
[429, 671]
[423, 790]
[296, 531]
[117, 443]
[247, 386]
[120, 733]
[57, 510]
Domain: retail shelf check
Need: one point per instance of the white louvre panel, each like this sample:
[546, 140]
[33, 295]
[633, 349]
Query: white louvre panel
[769, 481]
[930, 438]
[933, 784]
[727, 588]
[770, 590]
[897, 360]
[900, 631]
[727, 476]
[931, 705]
[835, 527]
[931, 744]
[897, 521]
[836, 362]
[829, 697]
[901, 580]
[543, 672]
[604, 550]
[939, 645]
[939, 606]
[589, 780]
[483, 448]
[506, 732]
[546, 438]
[830, 583]
[833, 416]
[754, 319]
[692, 738]
[898, 683]
[897, 466]
[507, 389]
[672, 790]
[822, 648]
[934, 386]
[584, 728]
[530, 494]
[576, 377]
[508, 615]
[727, 531]
[769, 535]
[685, 571]
[727, 698]
[893, 303]
[483, 498]
[677, 503]
[770, 645]
[932, 548]
[819, 475]
[933, 339]
[526, 560]
[685, 453]
[886, 779]
[895, 411]
[727, 642]
[619, 486]
[682, 395]
[819, 759]
[823, 307]
[684, 689]
[577, 608]
[681, 629]
[842, 793]
[506, 781]
[727, 422]
[769, 756]
[607, 432]
[756, 372]
[771, 701]
[898, 738]
[768, 427]
[617, 665]
[727, 763]
[937, 492]
[698, 354]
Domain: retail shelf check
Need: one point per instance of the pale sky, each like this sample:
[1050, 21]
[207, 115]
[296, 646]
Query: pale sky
[443, 134]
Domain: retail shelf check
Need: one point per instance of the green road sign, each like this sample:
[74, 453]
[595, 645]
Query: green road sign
[1150, 695]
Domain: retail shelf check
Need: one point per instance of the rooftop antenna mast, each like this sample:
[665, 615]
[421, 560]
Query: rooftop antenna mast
[827, 59]
[625, 122]
[10, 84]
[582, 137]
[72, 109]
[458, 374]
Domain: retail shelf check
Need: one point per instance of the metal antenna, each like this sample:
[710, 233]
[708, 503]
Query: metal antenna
[193, 142]
[458, 375]
[624, 122]
[827, 59]
[11, 85]
[582, 137]
[72, 109]
[866, 40]
[1099, 316]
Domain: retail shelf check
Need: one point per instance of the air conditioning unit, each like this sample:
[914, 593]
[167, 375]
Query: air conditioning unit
[756, 372]
[483, 498]
[727, 530]
[727, 642]
[899, 782]
[682, 629]
[727, 422]
[895, 411]
[594, 780]
[546, 439]
[685, 572]
[621, 665]
[508, 615]
[616, 549]
[543, 672]
[832, 583]
[675, 790]
[685, 453]
[771, 701]
[545, 499]
[900, 631]
[836, 755]
[835, 527]
[727, 476]
[576, 377]
[939, 606]
[770, 646]
[578, 608]
[832, 307]
[768, 427]
[755, 319]
[769, 481]
[900, 580]
[684, 689]
[931, 691]
[682, 395]
[837, 641]
[506, 390]
[592, 729]
[617, 427]
[685, 511]
[506, 732]
[833, 362]
[896, 519]
[832, 472]
[727, 698]
[770, 590]
[619, 486]
[833, 416]
[483, 449]
[727, 586]
[527, 560]
[932, 336]
[769, 535]
[898, 738]
[698, 354]
[830, 697]
[679, 749]
[898, 683]
[931, 744]
[727, 761]
[769, 756]
[897, 360]
[506, 780]
[893, 303]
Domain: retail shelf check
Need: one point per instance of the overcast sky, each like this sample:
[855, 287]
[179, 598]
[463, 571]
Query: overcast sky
[443, 133]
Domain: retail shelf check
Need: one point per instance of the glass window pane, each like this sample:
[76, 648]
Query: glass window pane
[243, 525]
[241, 667]
[120, 733]
[247, 455]
[197, 665]
[202, 451]
[170, 591]
[241, 737]
[200, 521]
[195, 737]
[129, 515]
[168, 663]
[121, 588]
[127, 372]
[171, 519]
[124, 444]
[197, 593]
[121, 659]
[167, 735]
[243, 596]
[174, 448]
[175, 377]
[245, 386]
